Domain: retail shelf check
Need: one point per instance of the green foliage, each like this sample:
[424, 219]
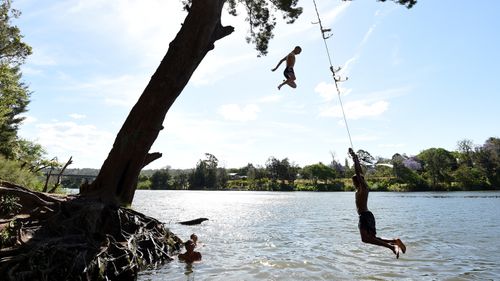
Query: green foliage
[14, 95]
[160, 179]
[240, 184]
[438, 165]
[221, 178]
[465, 152]
[407, 3]
[12, 50]
[206, 175]
[9, 205]
[12, 171]
[317, 172]
[488, 159]
[73, 182]
[181, 181]
[281, 170]
[381, 171]
[8, 235]
[405, 178]
[144, 182]
[469, 178]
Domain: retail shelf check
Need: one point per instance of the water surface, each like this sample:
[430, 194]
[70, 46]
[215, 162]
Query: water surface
[314, 236]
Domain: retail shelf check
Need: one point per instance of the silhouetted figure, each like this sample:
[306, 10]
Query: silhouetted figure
[288, 72]
[190, 255]
[366, 223]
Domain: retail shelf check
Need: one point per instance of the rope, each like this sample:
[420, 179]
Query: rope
[335, 80]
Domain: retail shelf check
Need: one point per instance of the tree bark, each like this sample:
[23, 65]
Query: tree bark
[117, 179]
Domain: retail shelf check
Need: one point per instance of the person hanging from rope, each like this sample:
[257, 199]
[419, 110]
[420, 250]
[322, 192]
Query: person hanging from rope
[289, 73]
[366, 223]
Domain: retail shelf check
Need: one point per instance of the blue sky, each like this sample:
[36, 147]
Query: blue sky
[419, 78]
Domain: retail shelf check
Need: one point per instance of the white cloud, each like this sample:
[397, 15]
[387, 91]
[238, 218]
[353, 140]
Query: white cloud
[367, 35]
[356, 110]
[346, 68]
[270, 99]
[295, 108]
[302, 25]
[218, 66]
[129, 20]
[121, 90]
[328, 91]
[331, 16]
[234, 112]
[85, 142]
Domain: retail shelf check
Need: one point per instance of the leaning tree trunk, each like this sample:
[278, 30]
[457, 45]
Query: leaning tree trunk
[117, 179]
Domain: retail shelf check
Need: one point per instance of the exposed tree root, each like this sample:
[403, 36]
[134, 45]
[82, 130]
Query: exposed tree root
[72, 238]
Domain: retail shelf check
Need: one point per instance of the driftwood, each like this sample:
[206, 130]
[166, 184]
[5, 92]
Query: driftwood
[193, 222]
[73, 238]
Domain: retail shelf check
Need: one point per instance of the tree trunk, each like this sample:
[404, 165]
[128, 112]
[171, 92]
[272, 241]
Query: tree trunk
[117, 179]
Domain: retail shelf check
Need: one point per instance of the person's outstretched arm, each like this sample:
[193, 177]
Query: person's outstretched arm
[281, 61]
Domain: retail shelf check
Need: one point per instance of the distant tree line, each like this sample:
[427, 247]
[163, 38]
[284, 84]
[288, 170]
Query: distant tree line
[470, 167]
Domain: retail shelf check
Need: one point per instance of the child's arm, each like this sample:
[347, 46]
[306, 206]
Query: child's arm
[281, 61]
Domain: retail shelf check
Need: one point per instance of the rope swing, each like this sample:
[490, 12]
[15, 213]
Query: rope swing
[325, 35]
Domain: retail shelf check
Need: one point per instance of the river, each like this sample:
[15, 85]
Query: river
[314, 236]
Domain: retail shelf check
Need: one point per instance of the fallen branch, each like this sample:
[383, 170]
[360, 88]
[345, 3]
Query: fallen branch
[193, 222]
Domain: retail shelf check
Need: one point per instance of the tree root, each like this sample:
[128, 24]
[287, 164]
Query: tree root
[75, 238]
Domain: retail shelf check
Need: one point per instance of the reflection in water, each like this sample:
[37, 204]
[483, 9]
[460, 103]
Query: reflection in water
[314, 236]
[189, 271]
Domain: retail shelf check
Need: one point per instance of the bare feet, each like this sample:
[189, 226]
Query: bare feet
[396, 250]
[281, 85]
[401, 245]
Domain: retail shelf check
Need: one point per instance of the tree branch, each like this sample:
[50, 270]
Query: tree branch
[150, 157]
[222, 31]
[58, 181]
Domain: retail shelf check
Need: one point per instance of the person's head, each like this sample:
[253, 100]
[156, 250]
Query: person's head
[297, 50]
[189, 245]
[194, 238]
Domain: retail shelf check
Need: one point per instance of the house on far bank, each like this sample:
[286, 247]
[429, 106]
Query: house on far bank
[236, 176]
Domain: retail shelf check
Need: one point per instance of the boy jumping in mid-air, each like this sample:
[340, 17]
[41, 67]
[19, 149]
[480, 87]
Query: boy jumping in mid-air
[289, 74]
[366, 219]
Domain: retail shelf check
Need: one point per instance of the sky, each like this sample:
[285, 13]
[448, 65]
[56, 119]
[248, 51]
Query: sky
[418, 78]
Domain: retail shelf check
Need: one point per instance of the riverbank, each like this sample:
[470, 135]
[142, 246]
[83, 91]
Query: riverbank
[53, 237]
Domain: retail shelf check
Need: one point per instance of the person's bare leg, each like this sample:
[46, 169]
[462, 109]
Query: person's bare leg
[288, 82]
[371, 239]
[291, 81]
[396, 241]
[282, 84]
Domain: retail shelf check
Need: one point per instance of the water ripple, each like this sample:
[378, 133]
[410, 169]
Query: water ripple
[314, 236]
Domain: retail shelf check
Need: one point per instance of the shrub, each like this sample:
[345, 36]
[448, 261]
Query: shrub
[9, 205]
[12, 171]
